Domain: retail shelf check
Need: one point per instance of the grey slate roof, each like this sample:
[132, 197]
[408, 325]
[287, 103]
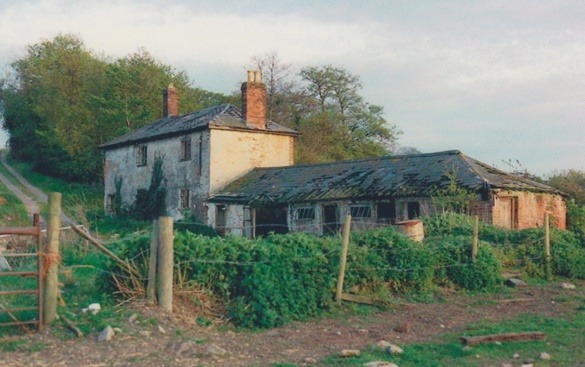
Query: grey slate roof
[391, 176]
[225, 115]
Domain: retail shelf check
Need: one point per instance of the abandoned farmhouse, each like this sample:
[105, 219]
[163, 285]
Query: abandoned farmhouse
[234, 170]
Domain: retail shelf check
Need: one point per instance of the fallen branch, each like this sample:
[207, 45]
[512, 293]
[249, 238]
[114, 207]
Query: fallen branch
[72, 326]
[103, 249]
[476, 340]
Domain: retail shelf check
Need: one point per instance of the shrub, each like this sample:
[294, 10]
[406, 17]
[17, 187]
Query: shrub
[455, 264]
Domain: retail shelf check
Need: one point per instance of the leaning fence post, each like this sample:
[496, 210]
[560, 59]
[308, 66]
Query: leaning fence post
[343, 257]
[151, 287]
[547, 246]
[165, 264]
[475, 237]
[52, 257]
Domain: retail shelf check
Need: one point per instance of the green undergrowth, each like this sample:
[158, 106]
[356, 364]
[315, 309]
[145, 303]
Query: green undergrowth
[277, 279]
[12, 210]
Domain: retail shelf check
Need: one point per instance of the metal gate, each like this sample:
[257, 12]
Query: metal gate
[21, 286]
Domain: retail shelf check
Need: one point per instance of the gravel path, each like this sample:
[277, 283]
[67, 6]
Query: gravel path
[31, 204]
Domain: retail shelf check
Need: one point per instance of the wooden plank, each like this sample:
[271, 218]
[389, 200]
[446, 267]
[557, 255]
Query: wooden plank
[152, 264]
[475, 340]
[5, 293]
[358, 299]
[20, 231]
[19, 273]
[506, 301]
[343, 257]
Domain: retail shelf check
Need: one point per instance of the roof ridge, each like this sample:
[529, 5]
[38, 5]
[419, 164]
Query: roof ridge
[370, 159]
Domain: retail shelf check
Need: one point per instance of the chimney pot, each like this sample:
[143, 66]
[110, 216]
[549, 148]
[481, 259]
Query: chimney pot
[254, 100]
[170, 101]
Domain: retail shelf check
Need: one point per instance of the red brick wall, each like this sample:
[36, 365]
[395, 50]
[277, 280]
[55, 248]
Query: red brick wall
[254, 104]
[170, 102]
[530, 209]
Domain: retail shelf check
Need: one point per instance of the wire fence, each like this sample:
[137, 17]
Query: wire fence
[83, 269]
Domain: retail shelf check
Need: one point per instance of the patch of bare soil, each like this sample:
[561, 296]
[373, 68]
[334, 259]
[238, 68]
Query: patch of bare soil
[184, 342]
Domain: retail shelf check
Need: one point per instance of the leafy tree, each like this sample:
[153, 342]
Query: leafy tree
[571, 182]
[46, 107]
[325, 105]
[62, 102]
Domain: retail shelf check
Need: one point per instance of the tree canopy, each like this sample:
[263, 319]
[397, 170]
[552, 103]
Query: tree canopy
[324, 104]
[62, 101]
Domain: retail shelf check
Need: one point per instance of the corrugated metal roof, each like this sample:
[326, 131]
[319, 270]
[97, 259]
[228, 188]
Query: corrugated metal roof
[225, 115]
[391, 176]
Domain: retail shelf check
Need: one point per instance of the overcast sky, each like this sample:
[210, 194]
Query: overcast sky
[498, 80]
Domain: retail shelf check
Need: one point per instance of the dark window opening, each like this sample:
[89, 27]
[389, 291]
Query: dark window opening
[413, 208]
[386, 212]
[110, 199]
[271, 219]
[185, 150]
[330, 219]
[141, 155]
[220, 219]
[184, 199]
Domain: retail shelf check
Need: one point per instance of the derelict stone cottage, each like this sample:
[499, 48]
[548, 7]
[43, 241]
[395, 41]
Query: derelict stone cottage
[234, 171]
[203, 151]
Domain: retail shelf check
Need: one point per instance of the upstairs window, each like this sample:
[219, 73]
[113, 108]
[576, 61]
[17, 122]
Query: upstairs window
[185, 154]
[141, 154]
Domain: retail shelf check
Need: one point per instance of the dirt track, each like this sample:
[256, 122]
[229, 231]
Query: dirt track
[187, 344]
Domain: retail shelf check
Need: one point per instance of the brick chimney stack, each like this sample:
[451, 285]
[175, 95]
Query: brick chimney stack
[254, 100]
[170, 101]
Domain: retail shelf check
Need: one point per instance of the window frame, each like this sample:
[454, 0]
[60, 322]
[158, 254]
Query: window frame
[355, 207]
[141, 155]
[184, 199]
[185, 150]
[304, 214]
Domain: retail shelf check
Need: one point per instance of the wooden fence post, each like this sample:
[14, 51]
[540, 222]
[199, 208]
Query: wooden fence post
[165, 264]
[475, 237]
[52, 258]
[152, 265]
[547, 246]
[343, 257]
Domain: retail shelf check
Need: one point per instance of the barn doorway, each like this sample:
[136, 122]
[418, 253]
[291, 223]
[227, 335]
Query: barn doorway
[509, 212]
[271, 219]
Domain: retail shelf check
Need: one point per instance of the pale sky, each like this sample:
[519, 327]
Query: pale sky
[498, 80]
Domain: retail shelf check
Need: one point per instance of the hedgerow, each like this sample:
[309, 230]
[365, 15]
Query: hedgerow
[273, 280]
